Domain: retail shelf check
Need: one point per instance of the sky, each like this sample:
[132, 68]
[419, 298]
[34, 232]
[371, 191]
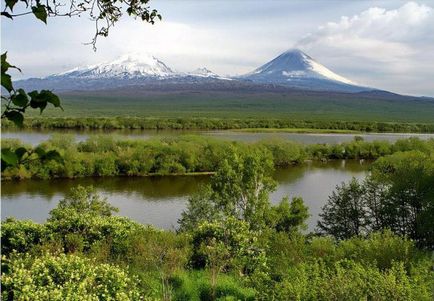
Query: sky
[383, 44]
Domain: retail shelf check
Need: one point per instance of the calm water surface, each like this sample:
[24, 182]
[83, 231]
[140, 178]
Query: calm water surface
[160, 200]
[35, 136]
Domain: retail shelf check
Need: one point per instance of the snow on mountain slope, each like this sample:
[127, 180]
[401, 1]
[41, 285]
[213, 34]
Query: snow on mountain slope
[128, 70]
[127, 66]
[291, 69]
[203, 72]
[296, 68]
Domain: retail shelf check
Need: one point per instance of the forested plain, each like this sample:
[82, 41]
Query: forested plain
[373, 241]
[136, 102]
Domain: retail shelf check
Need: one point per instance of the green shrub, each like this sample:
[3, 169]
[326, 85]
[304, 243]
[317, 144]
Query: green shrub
[65, 277]
[348, 280]
[21, 236]
[380, 249]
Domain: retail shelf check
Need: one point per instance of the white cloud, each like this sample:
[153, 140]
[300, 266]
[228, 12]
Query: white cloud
[389, 48]
[186, 47]
[379, 43]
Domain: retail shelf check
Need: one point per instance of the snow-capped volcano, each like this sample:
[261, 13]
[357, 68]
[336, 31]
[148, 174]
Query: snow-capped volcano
[125, 71]
[297, 69]
[291, 69]
[127, 66]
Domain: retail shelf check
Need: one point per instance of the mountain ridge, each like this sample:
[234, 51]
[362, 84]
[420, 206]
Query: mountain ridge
[293, 69]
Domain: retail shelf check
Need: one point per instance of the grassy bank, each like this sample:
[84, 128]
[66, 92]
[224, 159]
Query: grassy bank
[299, 131]
[253, 124]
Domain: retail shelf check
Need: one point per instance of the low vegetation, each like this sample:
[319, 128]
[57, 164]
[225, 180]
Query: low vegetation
[232, 244]
[188, 123]
[115, 156]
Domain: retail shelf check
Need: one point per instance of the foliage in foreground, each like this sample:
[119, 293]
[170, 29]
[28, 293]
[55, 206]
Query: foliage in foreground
[65, 277]
[380, 267]
[229, 254]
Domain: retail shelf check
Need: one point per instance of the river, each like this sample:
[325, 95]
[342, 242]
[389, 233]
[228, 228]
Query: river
[36, 136]
[159, 201]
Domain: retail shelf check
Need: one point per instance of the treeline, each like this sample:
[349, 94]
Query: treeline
[116, 156]
[232, 244]
[218, 124]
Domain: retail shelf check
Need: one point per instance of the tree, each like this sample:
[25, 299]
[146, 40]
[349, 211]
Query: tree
[225, 245]
[289, 217]
[240, 189]
[409, 203]
[375, 199]
[199, 209]
[398, 195]
[218, 257]
[82, 200]
[344, 214]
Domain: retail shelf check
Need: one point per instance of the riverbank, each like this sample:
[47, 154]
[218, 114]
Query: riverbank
[298, 131]
[221, 124]
[105, 156]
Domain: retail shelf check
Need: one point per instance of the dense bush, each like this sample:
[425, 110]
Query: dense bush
[65, 277]
[348, 280]
[21, 236]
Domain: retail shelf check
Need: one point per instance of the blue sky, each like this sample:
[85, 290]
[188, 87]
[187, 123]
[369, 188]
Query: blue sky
[383, 44]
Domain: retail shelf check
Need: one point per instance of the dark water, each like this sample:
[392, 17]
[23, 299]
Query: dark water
[160, 200]
[35, 136]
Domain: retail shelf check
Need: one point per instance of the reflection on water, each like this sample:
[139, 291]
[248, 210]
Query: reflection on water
[315, 182]
[36, 136]
[160, 200]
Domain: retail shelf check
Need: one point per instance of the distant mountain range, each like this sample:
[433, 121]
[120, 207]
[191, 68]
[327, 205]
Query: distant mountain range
[292, 69]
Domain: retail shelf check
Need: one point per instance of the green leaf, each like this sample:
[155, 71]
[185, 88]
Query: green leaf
[50, 97]
[7, 82]
[20, 152]
[33, 94]
[37, 100]
[39, 151]
[5, 65]
[9, 157]
[16, 117]
[53, 155]
[40, 12]
[38, 103]
[11, 4]
[40, 99]
[20, 99]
